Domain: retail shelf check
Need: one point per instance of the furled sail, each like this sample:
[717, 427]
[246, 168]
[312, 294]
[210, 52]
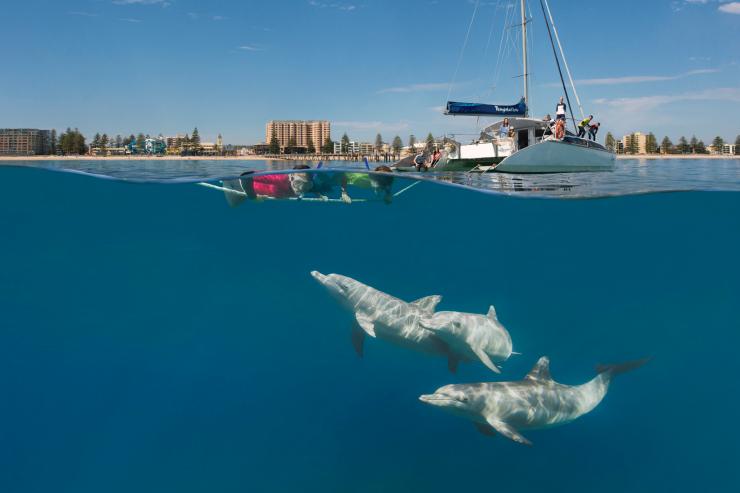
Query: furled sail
[478, 109]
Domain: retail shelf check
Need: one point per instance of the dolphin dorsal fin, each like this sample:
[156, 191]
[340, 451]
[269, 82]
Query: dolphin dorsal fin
[492, 313]
[427, 304]
[541, 371]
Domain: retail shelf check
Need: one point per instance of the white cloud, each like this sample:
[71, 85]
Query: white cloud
[251, 48]
[131, 20]
[730, 8]
[338, 6]
[644, 103]
[668, 113]
[639, 79]
[726, 7]
[434, 86]
[163, 3]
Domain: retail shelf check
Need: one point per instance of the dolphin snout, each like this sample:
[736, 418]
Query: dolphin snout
[318, 276]
[434, 399]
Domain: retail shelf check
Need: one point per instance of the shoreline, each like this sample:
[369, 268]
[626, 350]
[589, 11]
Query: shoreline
[14, 159]
[675, 156]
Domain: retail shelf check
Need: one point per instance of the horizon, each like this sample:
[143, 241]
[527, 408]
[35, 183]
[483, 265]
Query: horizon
[167, 66]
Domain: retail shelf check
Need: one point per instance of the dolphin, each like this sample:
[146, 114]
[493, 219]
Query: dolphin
[475, 337]
[537, 402]
[380, 315]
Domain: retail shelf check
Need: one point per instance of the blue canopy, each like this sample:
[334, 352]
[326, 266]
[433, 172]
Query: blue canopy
[477, 109]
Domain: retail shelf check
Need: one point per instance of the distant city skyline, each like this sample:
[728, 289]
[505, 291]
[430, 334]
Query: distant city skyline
[166, 66]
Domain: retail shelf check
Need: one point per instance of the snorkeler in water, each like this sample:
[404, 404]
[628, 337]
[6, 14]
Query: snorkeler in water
[380, 181]
[278, 185]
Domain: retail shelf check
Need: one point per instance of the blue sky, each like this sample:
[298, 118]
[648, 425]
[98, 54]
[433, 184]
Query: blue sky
[228, 66]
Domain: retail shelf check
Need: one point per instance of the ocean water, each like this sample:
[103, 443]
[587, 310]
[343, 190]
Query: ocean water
[154, 339]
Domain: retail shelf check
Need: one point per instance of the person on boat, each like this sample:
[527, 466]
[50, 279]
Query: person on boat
[505, 129]
[559, 129]
[593, 130]
[550, 125]
[435, 157]
[561, 109]
[585, 123]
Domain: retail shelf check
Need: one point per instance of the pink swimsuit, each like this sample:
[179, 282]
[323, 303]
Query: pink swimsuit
[277, 186]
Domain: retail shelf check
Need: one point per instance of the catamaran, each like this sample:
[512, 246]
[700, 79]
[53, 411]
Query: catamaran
[530, 146]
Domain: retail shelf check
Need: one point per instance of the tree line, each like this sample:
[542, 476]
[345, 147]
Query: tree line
[666, 146]
[72, 142]
[328, 146]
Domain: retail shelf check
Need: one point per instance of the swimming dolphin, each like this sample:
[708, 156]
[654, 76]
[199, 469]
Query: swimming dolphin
[475, 337]
[383, 316]
[533, 403]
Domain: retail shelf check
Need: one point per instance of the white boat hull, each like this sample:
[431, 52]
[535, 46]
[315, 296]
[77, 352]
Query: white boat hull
[553, 156]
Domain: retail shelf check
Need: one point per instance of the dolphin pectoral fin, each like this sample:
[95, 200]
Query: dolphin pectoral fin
[366, 323]
[485, 429]
[427, 304]
[358, 340]
[483, 357]
[508, 431]
[452, 363]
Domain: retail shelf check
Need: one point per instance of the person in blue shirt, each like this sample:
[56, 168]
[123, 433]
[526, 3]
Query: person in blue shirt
[505, 128]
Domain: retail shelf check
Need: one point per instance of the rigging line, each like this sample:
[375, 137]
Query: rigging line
[506, 44]
[493, 67]
[490, 33]
[493, 79]
[501, 47]
[565, 61]
[488, 42]
[557, 61]
[462, 51]
[532, 52]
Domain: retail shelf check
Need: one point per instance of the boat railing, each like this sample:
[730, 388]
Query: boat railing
[580, 141]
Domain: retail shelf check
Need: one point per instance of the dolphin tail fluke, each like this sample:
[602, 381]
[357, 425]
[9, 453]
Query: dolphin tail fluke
[618, 369]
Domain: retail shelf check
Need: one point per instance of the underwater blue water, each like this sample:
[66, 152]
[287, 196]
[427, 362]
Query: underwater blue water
[154, 339]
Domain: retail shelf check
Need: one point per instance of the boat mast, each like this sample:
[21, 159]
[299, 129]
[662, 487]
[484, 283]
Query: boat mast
[526, 63]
